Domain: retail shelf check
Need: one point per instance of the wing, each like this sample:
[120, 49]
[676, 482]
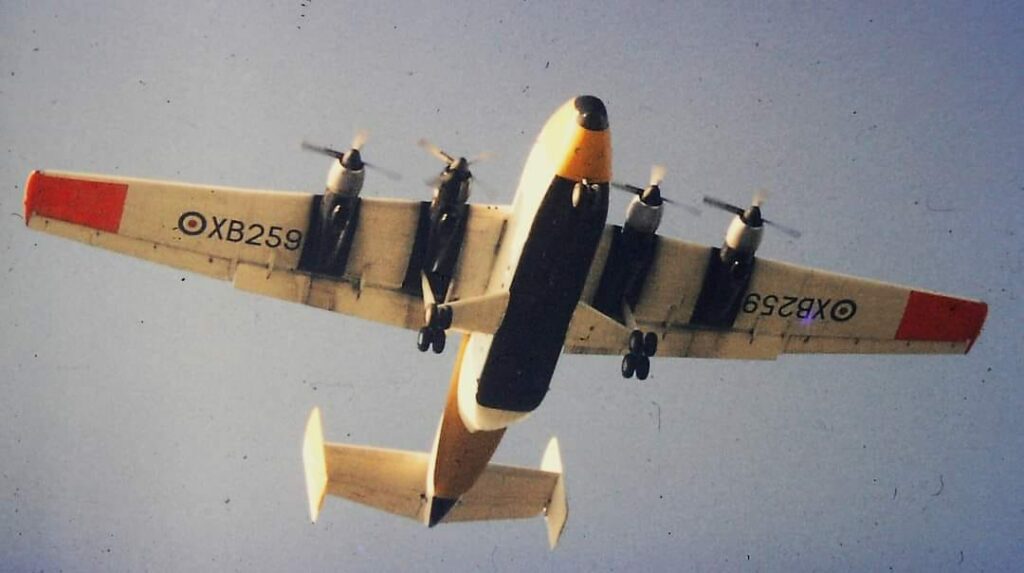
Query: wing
[258, 239]
[701, 308]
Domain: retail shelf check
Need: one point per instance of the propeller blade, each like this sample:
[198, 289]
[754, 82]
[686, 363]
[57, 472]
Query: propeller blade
[784, 229]
[627, 187]
[657, 174]
[684, 206]
[692, 210]
[392, 175]
[719, 204]
[360, 139]
[435, 151]
[488, 191]
[480, 157]
[759, 198]
[434, 181]
[323, 150]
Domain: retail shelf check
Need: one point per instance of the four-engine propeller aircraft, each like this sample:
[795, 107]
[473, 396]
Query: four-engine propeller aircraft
[522, 283]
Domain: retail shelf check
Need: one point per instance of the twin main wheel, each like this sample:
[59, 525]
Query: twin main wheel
[430, 338]
[438, 317]
[641, 347]
[636, 364]
[643, 344]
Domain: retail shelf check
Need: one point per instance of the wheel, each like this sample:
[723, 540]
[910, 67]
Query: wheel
[636, 342]
[650, 344]
[438, 316]
[628, 366]
[643, 367]
[438, 342]
[423, 339]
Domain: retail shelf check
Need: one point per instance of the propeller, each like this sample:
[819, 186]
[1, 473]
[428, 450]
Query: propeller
[435, 151]
[651, 195]
[352, 159]
[751, 215]
[452, 164]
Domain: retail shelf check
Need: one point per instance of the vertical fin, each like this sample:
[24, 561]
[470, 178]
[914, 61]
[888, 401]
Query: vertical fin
[557, 510]
[314, 463]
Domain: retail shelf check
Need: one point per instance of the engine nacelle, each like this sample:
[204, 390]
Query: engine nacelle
[643, 218]
[343, 180]
[742, 237]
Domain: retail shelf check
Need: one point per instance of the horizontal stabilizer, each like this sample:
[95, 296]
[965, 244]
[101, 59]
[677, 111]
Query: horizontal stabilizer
[395, 481]
[390, 480]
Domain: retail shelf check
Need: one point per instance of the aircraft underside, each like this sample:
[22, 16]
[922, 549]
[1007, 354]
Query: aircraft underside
[521, 283]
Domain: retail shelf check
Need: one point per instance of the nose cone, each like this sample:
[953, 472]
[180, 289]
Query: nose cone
[575, 143]
[752, 216]
[352, 160]
[590, 113]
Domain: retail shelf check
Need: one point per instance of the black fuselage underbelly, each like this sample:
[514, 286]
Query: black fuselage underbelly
[544, 292]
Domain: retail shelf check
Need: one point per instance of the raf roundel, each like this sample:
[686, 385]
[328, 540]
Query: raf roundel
[192, 223]
[843, 310]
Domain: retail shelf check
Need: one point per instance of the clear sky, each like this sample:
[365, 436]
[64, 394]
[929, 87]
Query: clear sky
[152, 419]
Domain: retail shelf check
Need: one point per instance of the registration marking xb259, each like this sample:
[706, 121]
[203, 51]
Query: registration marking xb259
[804, 308]
[194, 224]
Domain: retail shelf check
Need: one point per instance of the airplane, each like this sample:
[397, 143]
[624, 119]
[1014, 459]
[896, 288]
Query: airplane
[522, 283]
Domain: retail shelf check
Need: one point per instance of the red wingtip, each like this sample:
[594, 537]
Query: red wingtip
[31, 193]
[93, 204]
[941, 318]
[983, 314]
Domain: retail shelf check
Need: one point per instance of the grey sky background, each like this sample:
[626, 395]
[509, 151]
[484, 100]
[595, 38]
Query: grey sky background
[152, 420]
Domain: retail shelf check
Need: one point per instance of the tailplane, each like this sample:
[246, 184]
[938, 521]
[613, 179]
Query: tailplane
[395, 481]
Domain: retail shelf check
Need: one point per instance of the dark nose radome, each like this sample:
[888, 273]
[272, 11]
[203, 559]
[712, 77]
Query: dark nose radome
[590, 113]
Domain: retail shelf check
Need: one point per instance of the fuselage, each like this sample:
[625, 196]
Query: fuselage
[543, 261]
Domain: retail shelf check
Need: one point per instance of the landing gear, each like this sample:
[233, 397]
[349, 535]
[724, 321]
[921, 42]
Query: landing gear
[628, 365]
[438, 317]
[650, 344]
[643, 367]
[636, 364]
[438, 342]
[637, 361]
[431, 338]
[636, 342]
